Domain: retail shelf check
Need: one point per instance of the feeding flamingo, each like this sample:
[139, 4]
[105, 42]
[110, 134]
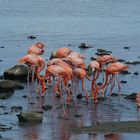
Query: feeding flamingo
[113, 69]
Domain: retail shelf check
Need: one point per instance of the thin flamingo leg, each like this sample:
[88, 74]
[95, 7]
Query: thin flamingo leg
[83, 87]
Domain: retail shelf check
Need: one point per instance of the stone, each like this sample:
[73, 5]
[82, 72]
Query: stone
[123, 81]
[136, 73]
[47, 107]
[131, 96]
[17, 72]
[16, 108]
[9, 85]
[125, 72]
[132, 62]
[84, 46]
[32, 37]
[30, 117]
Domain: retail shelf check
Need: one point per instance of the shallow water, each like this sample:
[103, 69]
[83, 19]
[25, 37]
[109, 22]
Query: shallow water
[62, 23]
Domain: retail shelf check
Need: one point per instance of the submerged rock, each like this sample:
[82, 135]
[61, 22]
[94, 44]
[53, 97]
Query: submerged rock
[32, 37]
[9, 85]
[131, 96]
[30, 117]
[7, 88]
[17, 72]
[16, 108]
[4, 127]
[103, 52]
[132, 62]
[84, 46]
[47, 107]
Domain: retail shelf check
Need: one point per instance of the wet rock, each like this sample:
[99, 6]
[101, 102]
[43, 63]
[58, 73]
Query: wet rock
[125, 72]
[16, 108]
[25, 96]
[30, 117]
[32, 37]
[84, 46]
[79, 96]
[2, 47]
[101, 98]
[4, 127]
[114, 94]
[132, 62]
[131, 96]
[0, 60]
[17, 72]
[0, 136]
[93, 58]
[120, 60]
[47, 107]
[99, 83]
[126, 48]
[123, 82]
[103, 52]
[9, 85]
[78, 114]
[136, 73]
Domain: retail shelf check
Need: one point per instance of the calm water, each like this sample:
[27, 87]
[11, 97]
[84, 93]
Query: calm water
[106, 24]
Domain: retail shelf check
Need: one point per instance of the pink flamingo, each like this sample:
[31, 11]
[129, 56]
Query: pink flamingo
[37, 49]
[113, 69]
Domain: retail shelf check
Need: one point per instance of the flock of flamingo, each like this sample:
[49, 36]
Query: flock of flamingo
[67, 68]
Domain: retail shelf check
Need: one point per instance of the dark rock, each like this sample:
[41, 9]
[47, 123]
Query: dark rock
[103, 52]
[125, 72]
[84, 46]
[114, 94]
[123, 82]
[101, 98]
[131, 96]
[78, 114]
[24, 96]
[2, 47]
[17, 72]
[0, 60]
[16, 108]
[7, 88]
[120, 60]
[93, 58]
[4, 127]
[30, 117]
[136, 73]
[132, 62]
[47, 107]
[79, 96]
[99, 83]
[0, 136]
[32, 37]
[126, 47]
[9, 85]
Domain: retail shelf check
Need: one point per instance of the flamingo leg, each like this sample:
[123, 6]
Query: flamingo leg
[113, 84]
[83, 87]
[119, 85]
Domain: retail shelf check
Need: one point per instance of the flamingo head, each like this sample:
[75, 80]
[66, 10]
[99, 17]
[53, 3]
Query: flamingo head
[40, 45]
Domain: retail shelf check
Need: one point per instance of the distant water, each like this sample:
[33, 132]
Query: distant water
[110, 24]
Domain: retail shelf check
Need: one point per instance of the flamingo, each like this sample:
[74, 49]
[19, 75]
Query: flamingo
[61, 53]
[34, 61]
[113, 69]
[95, 67]
[37, 49]
[81, 74]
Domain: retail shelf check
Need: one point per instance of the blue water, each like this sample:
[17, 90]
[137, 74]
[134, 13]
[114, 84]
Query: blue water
[105, 24]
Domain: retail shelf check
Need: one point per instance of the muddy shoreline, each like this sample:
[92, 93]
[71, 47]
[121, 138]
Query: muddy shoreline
[110, 127]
